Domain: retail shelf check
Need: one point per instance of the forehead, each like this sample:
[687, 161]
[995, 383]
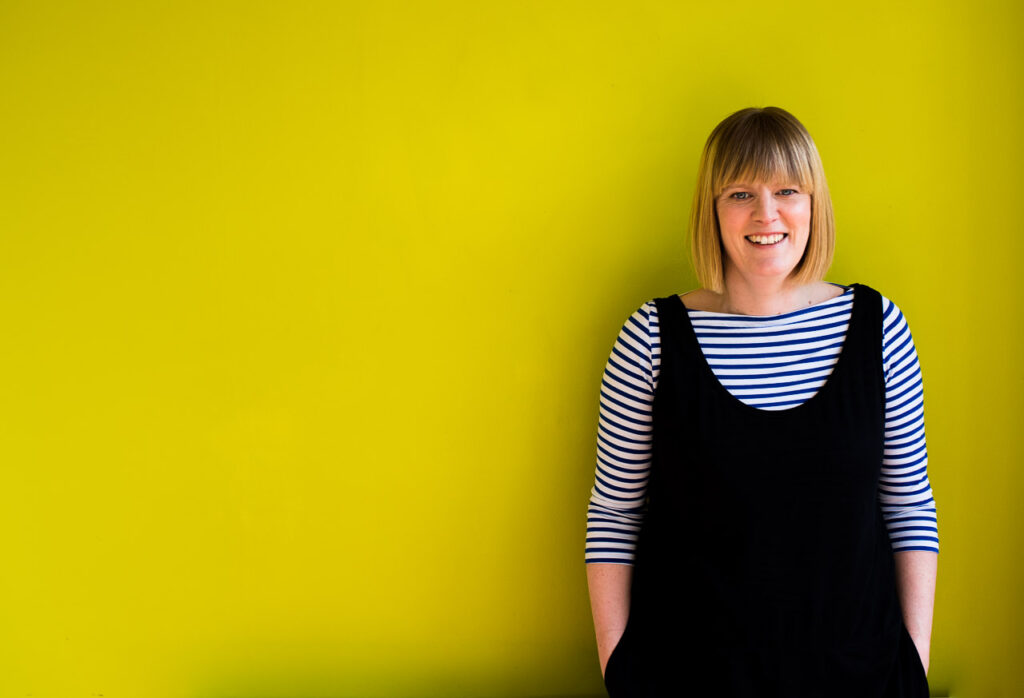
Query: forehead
[754, 176]
[760, 162]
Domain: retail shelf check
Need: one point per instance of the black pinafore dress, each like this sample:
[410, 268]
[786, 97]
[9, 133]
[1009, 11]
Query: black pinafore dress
[763, 566]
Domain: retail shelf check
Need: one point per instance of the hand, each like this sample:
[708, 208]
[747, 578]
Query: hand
[606, 645]
[922, 651]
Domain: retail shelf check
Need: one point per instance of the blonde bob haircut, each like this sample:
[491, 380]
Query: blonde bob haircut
[759, 145]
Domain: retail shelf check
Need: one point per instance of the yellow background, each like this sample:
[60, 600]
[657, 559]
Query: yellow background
[305, 307]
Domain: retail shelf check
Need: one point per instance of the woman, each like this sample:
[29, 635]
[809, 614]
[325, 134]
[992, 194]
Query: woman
[761, 522]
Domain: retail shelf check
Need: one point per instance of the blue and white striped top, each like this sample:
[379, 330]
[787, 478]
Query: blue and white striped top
[772, 362]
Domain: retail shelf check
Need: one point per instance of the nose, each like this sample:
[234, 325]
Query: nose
[767, 210]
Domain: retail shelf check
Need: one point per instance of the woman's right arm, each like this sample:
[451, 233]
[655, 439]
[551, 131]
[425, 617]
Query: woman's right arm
[618, 498]
[609, 601]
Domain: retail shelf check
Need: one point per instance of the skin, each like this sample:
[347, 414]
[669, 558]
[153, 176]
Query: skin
[758, 281]
[915, 583]
[609, 602]
[758, 278]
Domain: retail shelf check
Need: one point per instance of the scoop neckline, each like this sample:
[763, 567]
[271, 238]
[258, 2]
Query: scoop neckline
[738, 404]
[846, 289]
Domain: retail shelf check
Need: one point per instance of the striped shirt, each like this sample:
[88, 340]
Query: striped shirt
[772, 362]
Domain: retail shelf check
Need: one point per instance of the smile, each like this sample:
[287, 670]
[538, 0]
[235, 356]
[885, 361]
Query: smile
[766, 240]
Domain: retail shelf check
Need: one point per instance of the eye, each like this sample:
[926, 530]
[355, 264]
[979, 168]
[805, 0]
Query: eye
[740, 195]
[788, 192]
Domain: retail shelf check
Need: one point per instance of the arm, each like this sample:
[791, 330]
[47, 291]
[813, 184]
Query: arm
[609, 601]
[618, 498]
[915, 581]
[905, 492]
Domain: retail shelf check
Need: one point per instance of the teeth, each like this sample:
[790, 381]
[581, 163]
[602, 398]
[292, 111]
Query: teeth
[766, 239]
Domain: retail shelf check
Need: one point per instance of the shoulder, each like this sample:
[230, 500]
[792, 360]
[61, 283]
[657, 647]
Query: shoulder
[898, 346]
[701, 299]
[823, 291]
[888, 306]
[893, 319]
[895, 328]
[894, 323]
[636, 353]
[641, 324]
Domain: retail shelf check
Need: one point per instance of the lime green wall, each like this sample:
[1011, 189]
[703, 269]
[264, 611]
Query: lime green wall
[305, 307]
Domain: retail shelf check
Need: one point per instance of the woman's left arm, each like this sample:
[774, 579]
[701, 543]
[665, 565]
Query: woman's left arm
[904, 490]
[915, 581]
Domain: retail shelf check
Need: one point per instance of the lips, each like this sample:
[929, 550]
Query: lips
[766, 239]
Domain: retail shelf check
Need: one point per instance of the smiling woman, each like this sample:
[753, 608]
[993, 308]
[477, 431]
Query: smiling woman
[760, 173]
[761, 521]
[764, 229]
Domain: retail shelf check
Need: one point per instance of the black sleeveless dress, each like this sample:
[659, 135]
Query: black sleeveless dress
[763, 566]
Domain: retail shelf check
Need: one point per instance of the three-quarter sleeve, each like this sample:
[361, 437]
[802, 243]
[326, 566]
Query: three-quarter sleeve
[904, 490]
[618, 497]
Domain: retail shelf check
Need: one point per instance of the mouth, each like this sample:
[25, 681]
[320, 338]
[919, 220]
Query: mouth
[766, 239]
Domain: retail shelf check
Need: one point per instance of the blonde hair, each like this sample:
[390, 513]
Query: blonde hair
[759, 145]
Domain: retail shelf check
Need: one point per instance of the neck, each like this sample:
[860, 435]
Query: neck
[770, 296]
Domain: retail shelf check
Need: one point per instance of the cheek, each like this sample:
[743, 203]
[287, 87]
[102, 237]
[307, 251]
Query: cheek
[801, 217]
[729, 220]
